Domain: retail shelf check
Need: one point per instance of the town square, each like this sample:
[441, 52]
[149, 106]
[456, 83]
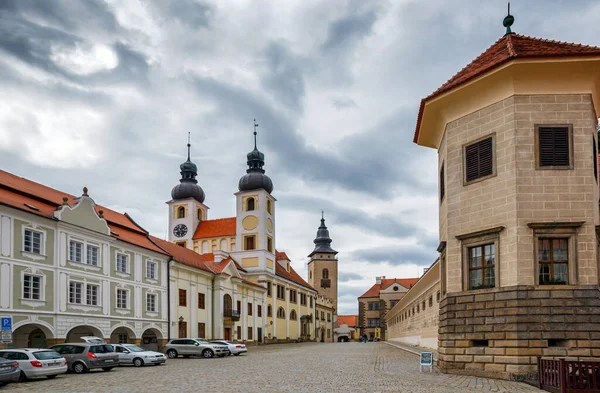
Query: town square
[299, 196]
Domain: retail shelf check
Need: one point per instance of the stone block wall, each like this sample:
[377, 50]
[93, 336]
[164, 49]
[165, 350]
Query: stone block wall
[501, 332]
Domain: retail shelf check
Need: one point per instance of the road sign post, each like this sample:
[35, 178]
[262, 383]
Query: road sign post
[6, 330]
[426, 359]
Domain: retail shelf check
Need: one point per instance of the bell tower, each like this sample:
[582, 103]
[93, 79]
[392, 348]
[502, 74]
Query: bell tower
[323, 265]
[186, 208]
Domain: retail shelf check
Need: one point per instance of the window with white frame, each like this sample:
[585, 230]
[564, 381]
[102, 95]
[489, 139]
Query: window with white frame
[122, 295]
[151, 302]
[84, 293]
[32, 242]
[75, 292]
[122, 263]
[75, 251]
[32, 287]
[93, 253]
[92, 294]
[151, 270]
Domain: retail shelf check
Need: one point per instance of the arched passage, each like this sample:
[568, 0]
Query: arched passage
[32, 335]
[76, 332]
[122, 335]
[150, 339]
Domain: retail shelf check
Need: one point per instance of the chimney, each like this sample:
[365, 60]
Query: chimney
[378, 280]
[219, 255]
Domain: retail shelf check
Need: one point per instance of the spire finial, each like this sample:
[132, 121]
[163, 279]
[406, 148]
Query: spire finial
[189, 145]
[508, 21]
[322, 215]
[255, 125]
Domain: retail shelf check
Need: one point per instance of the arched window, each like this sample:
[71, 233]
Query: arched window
[227, 304]
[281, 313]
[269, 311]
[181, 212]
[325, 273]
[310, 275]
[199, 214]
[269, 206]
[293, 315]
[250, 204]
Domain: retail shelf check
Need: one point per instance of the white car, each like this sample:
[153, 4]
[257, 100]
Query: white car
[132, 354]
[36, 362]
[234, 348]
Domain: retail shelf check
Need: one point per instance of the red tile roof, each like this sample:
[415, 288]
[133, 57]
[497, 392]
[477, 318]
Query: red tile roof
[182, 254]
[291, 275]
[507, 48]
[26, 195]
[350, 320]
[216, 228]
[386, 282]
[281, 256]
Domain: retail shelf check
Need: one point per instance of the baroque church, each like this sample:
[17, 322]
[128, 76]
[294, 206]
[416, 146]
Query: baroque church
[253, 293]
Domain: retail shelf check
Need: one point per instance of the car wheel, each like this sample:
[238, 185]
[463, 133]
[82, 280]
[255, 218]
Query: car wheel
[236, 354]
[107, 368]
[207, 353]
[172, 354]
[51, 376]
[79, 368]
[138, 362]
[22, 377]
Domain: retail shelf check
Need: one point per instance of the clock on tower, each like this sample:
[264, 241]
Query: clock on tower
[180, 230]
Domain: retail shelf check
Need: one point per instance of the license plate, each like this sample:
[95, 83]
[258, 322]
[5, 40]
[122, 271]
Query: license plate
[108, 361]
[5, 368]
[54, 364]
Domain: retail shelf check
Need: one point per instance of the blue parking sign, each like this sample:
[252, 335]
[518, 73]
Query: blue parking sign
[6, 323]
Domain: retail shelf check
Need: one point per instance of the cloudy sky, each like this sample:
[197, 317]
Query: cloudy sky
[103, 94]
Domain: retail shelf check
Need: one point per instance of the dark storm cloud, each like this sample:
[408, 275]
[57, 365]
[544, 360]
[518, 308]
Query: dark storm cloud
[284, 76]
[349, 29]
[344, 276]
[397, 255]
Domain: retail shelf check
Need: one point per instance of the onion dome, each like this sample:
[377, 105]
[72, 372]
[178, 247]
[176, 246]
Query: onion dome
[255, 177]
[188, 185]
[322, 241]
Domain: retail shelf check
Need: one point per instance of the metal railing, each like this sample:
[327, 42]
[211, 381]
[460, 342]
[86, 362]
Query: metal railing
[230, 313]
[569, 376]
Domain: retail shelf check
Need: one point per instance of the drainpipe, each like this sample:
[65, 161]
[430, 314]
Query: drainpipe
[169, 300]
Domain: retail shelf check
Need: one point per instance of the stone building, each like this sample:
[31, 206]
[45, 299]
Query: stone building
[515, 132]
[324, 319]
[374, 304]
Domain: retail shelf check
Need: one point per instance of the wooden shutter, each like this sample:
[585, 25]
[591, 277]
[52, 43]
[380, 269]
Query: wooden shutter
[479, 159]
[442, 183]
[595, 159]
[554, 146]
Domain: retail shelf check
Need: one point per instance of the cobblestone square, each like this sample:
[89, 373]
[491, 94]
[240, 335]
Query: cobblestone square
[302, 368]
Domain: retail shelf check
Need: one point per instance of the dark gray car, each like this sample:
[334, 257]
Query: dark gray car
[82, 357]
[9, 371]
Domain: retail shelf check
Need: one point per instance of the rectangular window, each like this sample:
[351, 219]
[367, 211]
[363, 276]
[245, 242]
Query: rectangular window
[311, 301]
[239, 306]
[33, 242]
[482, 263]
[328, 333]
[259, 310]
[328, 317]
[201, 330]
[479, 160]
[75, 292]
[554, 147]
[150, 302]
[393, 303]
[269, 244]
[303, 299]
[122, 298]
[322, 315]
[280, 292]
[183, 298]
[553, 260]
[151, 270]
[92, 294]
[75, 251]
[293, 296]
[122, 263]
[442, 184]
[249, 309]
[269, 286]
[373, 322]
[32, 287]
[373, 306]
[92, 255]
[201, 302]
[249, 242]
[250, 333]
[182, 244]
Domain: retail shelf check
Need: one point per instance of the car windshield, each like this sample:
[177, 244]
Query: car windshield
[46, 355]
[134, 348]
[202, 341]
[101, 349]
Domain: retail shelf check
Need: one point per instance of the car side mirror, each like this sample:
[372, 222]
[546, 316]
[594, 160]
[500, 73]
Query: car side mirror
[197, 344]
[125, 351]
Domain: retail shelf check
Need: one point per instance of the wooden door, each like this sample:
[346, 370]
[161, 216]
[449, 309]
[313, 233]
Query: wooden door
[259, 333]
[239, 333]
[228, 334]
[182, 329]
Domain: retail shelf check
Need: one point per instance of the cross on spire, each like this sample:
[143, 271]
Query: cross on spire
[189, 145]
[255, 125]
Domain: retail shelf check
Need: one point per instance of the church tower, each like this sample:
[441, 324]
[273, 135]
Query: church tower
[323, 265]
[186, 208]
[255, 216]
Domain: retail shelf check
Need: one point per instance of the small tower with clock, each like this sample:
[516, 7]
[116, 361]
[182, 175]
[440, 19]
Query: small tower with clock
[186, 208]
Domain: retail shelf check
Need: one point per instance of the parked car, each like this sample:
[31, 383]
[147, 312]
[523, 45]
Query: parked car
[82, 357]
[9, 371]
[36, 362]
[234, 348]
[187, 347]
[132, 354]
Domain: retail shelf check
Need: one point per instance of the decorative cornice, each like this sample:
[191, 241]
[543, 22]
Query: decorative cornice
[555, 224]
[484, 232]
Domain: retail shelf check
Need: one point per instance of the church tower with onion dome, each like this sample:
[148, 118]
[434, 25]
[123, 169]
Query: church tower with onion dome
[323, 265]
[186, 207]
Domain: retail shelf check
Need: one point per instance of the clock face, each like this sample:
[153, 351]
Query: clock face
[180, 230]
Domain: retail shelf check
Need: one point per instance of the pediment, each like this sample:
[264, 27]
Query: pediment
[83, 214]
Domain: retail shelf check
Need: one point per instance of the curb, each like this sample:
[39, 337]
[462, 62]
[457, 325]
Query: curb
[414, 352]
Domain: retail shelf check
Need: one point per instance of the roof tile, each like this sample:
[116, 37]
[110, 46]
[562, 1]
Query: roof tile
[216, 228]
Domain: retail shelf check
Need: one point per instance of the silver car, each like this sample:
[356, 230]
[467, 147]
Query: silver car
[36, 362]
[9, 371]
[234, 348]
[187, 347]
[82, 357]
[132, 354]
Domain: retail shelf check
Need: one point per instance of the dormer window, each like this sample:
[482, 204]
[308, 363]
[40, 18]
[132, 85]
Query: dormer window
[181, 212]
[250, 204]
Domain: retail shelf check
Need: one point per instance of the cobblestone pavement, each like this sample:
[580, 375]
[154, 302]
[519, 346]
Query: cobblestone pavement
[297, 368]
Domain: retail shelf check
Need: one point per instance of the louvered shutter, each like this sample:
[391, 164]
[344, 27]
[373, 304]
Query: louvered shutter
[595, 159]
[554, 146]
[479, 159]
[442, 183]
